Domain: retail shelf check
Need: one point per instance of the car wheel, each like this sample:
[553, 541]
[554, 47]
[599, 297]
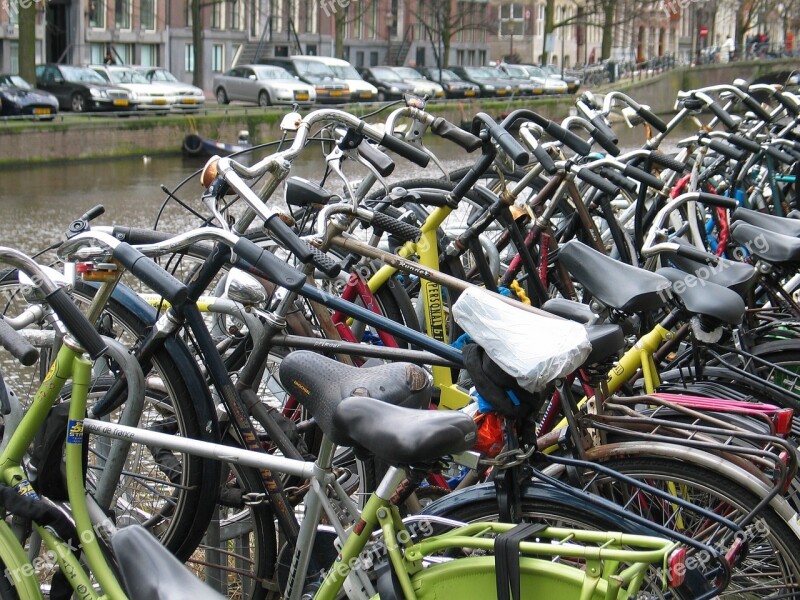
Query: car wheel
[381, 96]
[222, 97]
[78, 103]
[263, 99]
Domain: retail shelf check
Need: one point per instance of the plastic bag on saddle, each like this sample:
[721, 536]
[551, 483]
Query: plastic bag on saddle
[534, 349]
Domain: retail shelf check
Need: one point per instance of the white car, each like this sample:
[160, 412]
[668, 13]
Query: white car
[422, 86]
[360, 90]
[187, 96]
[144, 95]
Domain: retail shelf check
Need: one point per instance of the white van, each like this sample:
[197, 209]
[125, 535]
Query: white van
[360, 90]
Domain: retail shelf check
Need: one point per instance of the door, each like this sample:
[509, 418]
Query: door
[57, 31]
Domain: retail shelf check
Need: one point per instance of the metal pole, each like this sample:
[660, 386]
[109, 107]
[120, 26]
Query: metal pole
[562, 55]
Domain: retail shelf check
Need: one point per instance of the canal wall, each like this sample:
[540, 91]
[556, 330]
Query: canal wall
[73, 137]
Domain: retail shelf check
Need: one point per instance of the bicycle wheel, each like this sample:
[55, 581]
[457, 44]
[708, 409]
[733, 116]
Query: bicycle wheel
[773, 560]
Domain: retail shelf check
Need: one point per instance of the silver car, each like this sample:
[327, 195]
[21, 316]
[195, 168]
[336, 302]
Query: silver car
[144, 95]
[551, 85]
[186, 95]
[263, 85]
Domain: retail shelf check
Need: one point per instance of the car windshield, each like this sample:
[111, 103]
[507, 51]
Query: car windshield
[14, 81]
[407, 73]
[273, 73]
[81, 74]
[386, 75]
[126, 76]
[517, 72]
[536, 72]
[162, 75]
[345, 72]
[314, 69]
[480, 73]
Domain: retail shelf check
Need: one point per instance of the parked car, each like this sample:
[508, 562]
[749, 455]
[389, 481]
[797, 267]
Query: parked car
[187, 96]
[573, 83]
[551, 85]
[389, 84]
[81, 89]
[263, 85]
[519, 76]
[18, 97]
[454, 86]
[360, 90]
[328, 87]
[486, 79]
[422, 86]
[144, 95]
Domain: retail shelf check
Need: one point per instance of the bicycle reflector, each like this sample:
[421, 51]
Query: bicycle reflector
[676, 567]
[783, 422]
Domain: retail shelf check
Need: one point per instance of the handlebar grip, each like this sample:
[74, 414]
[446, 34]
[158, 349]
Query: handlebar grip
[779, 155]
[406, 150]
[269, 265]
[382, 163]
[17, 345]
[405, 231]
[726, 150]
[693, 253]
[743, 142]
[93, 213]
[544, 159]
[565, 136]
[722, 115]
[652, 118]
[325, 263]
[755, 106]
[643, 177]
[509, 145]
[668, 162]
[599, 121]
[77, 323]
[288, 238]
[156, 278]
[140, 235]
[618, 179]
[444, 128]
[606, 142]
[594, 179]
[790, 105]
[716, 200]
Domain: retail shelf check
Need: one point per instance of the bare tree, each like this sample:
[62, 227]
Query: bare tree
[550, 24]
[345, 13]
[27, 36]
[442, 20]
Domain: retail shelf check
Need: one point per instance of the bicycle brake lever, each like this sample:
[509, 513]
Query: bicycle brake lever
[334, 162]
[210, 200]
[355, 156]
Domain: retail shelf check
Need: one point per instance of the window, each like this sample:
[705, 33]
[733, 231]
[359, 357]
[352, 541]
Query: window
[218, 14]
[359, 58]
[373, 59]
[254, 16]
[305, 16]
[149, 54]
[311, 49]
[147, 12]
[97, 14]
[481, 57]
[512, 19]
[540, 19]
[237, 15]
[420, 56]
[217, 58]
[358, 25]
[276, 15]
[373, 21]
[97, 53]
[459, 57]
[15, 57]
[189, 13]
[123, 53]
[122, 16]
[188, 58]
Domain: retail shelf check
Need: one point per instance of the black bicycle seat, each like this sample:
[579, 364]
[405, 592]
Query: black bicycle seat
[615, 284]
[701, 297]
[736, 276]
[766, 245]
[151, 572]
[399, 436]
[310, 376]
[782, 225]
[606, 340]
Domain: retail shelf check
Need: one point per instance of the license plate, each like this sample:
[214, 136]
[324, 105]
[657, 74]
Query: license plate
[337, 93]
[302, 96]
[120, 103]
[365, 95]
[188, 101]
[501, 92]
[469, 93]
[41, 111]
[159, 101]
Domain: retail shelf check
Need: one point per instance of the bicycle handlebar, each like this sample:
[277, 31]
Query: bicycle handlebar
[17, 345]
